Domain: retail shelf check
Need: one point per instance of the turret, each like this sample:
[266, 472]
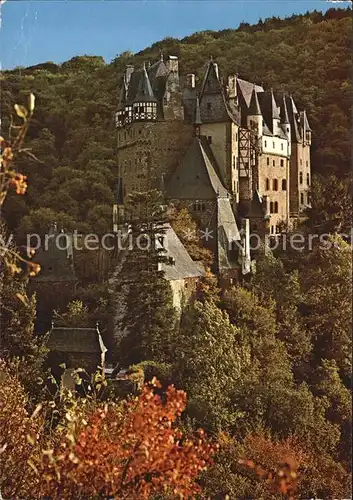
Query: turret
[254, 118]
[306, 130]
[144, 106]
[285, 123]
[274, 114]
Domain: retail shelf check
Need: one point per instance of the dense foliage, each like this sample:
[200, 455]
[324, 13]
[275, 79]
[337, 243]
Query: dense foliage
[73, 131]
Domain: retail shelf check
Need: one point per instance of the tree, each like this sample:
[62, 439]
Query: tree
[149, 318]
[273, 282]
[262, 467]
[327, 287]
[208, 363]
[18, 341]
[131, 450]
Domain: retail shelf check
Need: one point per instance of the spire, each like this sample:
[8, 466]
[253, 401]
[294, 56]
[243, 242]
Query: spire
[211, 83]
[254, 107]
[284, 111]
[144, 89]
[197, 112]
[306, 122]
[274, 107]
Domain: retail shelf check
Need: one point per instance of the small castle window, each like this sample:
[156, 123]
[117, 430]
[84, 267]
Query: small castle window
[284, 184]
[308, 179]
[302, 198]
[272, 229]
[282, 163]
[236, 136]
[271, 207]
[287, 129]
[276, 207]
[268, 161]
[301, 161]
[275, 184]
[307, 163]
[282, 146]
[267, 184]
[274, 163]
[273, 145]
[265, 141]
[300, 177]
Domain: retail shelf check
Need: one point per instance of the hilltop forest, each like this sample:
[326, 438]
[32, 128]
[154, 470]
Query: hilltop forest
[265, 365]
[72, 132]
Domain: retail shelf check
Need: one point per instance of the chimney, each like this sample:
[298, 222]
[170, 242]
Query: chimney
[172, 64]
[191, 80]
[232, 86]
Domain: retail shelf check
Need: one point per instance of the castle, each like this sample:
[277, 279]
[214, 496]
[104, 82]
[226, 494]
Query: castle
[236, 155]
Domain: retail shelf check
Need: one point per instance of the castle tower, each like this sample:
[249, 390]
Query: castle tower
[300, 166]
[151, 133]
[221, 128]
[254, 117]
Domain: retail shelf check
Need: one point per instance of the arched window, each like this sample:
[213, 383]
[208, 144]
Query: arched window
[276, 207]
[267, 184]
[271, 207]
[300, 177]
[284, 184]
[308, 179]
[275, 184]
[302, 198]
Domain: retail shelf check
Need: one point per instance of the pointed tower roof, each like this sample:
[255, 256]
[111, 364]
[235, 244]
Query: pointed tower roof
[274, 107]
[144, 89]
[211, 83]
[254, 107]
[196, 177]
[292, 114]
[284, 111]
[197, 120]
[306, 124]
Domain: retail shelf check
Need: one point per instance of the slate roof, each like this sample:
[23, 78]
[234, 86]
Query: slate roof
[293, 115]
[254, 107]
[197, 120]
[183, 266]
[284, 111]
[246, 89]
[79, 340]
[196, 176]
[227, 232]
[304, 121]
[144, 92]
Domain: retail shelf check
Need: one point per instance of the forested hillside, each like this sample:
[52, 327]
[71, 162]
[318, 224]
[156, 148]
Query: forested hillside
[72, 133]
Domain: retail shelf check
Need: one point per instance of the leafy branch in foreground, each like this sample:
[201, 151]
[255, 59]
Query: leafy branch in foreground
[11, 178]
